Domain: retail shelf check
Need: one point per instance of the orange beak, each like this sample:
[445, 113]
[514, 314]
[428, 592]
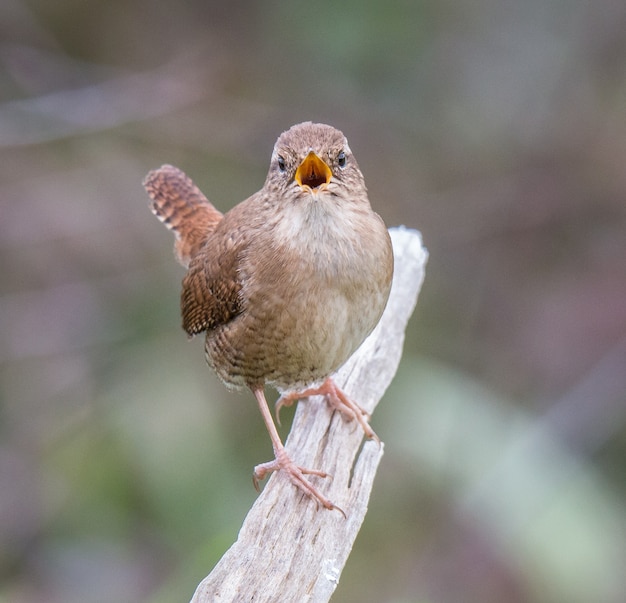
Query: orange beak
[313, 172]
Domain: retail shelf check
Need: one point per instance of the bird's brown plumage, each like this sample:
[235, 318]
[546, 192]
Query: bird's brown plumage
[182, 207]
[288, 283]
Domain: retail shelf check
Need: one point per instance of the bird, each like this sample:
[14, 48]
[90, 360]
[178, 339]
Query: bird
[288, 283]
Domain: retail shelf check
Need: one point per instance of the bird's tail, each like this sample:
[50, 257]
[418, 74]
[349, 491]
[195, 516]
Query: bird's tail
[182, 207]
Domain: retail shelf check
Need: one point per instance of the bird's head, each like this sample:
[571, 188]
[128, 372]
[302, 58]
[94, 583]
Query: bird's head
[314, 160]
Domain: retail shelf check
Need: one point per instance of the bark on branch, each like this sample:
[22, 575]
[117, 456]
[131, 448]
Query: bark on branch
[288, 549]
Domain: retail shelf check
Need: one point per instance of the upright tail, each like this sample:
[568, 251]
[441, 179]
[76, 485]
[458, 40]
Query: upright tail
[182, 207]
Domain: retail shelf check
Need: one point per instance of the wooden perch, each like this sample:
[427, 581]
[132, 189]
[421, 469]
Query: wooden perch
[288, 549]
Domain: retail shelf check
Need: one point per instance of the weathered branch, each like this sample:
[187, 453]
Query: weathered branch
[288, 549]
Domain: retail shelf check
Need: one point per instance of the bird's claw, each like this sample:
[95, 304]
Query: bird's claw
[296, 474]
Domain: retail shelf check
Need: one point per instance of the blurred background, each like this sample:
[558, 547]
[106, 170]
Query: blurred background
[497, 129]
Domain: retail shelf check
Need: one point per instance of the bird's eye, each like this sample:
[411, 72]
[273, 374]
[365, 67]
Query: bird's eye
[281, 163]
[341, 159]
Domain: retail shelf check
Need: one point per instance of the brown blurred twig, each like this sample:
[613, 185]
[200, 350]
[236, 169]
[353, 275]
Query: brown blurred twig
[98, 102]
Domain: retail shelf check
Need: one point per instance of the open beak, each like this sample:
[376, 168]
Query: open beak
[313, 172]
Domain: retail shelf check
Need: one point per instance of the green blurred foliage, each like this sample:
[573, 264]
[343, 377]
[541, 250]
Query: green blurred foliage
[496, 128]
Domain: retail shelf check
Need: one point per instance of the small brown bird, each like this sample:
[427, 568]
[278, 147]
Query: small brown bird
[288, 283]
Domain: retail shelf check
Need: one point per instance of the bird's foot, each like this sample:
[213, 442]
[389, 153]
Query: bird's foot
[296, 474]
[337, 399]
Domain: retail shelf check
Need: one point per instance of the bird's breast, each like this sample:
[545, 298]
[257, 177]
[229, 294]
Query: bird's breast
[314, 286]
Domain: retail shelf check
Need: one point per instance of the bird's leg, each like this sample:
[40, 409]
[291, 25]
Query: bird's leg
[283, 462]
[337, 399]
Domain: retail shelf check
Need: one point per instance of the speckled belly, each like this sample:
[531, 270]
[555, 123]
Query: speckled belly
[296, 344]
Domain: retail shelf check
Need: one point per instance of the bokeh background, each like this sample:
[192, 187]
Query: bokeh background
[498, 129]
